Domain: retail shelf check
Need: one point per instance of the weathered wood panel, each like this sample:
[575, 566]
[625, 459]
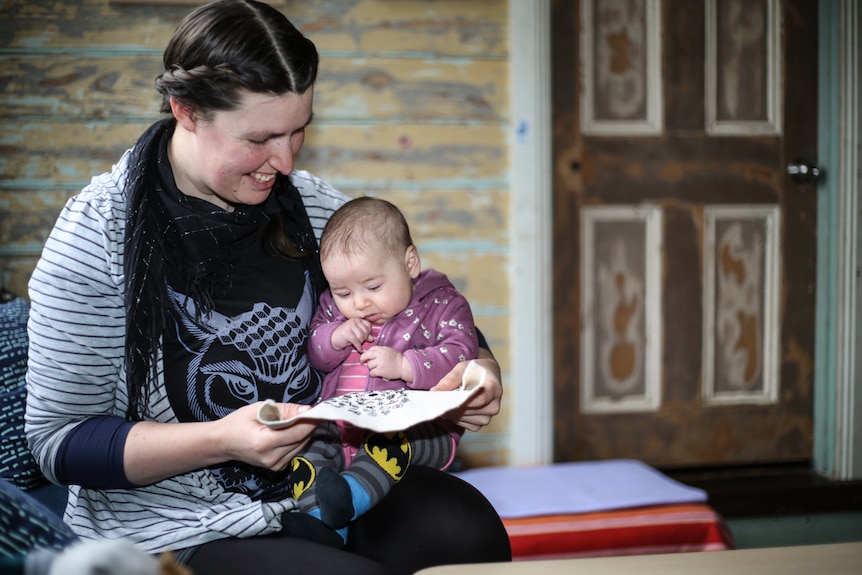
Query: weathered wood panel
[388, 154]
[27, 216]
[412, 89]
[381, 154]
[16, 272]
[457, 213]
[494, 325]
[481, 277]
[72, 87]
[364, 90]
[451, 27]
[62, 153]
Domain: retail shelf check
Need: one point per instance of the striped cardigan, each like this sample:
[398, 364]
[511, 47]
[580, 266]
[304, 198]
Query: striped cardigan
[76, 370]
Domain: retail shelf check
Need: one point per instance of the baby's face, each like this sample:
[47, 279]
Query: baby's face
[371, 286]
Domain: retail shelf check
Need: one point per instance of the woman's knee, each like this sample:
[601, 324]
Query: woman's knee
[431, 518]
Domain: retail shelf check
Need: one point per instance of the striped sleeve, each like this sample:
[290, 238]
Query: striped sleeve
[319, 197]
[77, 319]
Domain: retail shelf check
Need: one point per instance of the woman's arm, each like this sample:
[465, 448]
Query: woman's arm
[156, 451]
[478, 411]
[76, 326]
[108, 452]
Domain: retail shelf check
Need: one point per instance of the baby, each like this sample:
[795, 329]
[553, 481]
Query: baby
[383, 324]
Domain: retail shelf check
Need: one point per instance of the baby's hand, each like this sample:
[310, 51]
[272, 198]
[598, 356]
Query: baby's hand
[386, 362]
[353, 332]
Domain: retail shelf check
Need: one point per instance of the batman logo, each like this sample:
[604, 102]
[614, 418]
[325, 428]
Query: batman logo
[302, 476]
[391, 451]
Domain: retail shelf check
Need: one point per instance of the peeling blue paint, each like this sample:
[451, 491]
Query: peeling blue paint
[522, 132]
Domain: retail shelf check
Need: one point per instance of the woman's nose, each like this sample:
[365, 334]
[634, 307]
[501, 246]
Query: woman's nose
[282, 157]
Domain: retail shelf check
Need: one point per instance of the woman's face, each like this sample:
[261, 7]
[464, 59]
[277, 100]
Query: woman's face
[233, 157]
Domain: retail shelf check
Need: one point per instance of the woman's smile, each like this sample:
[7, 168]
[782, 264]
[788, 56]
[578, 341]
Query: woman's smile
[263, 178]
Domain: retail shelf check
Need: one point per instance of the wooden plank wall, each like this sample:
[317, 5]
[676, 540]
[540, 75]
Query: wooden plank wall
[411, 105]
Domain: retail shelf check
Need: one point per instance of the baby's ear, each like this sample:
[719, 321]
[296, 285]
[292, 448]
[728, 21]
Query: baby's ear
[412, 261]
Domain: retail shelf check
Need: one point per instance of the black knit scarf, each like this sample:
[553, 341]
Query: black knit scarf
[169, 234]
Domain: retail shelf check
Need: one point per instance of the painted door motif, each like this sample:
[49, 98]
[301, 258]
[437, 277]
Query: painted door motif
[684, 250]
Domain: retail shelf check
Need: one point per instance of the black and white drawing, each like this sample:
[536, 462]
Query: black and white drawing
[384, 411]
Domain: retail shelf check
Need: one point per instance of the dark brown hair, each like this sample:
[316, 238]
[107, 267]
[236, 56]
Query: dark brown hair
[366, 223]
[228, 46]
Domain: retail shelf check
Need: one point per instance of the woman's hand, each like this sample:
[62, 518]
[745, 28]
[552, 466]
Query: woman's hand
[262, 446]
[156, 451]
[477, 412]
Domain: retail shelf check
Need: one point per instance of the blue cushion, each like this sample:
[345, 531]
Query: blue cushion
[27, 525]
[16, 462]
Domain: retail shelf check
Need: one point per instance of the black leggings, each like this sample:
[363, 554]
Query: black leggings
[429, 518]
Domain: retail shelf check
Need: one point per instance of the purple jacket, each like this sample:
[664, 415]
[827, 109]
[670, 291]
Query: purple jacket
[434, 332]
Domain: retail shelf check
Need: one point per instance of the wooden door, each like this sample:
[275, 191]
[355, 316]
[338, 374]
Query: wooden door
[684, 253]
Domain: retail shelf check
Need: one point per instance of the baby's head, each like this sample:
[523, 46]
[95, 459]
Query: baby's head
[369, 259]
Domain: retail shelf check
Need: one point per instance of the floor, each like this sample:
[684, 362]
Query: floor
[781, 531]
[780, 505]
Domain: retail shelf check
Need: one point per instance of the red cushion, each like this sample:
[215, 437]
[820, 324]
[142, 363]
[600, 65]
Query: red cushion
[639, 531]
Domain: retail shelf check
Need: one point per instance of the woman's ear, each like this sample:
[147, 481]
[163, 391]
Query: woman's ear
[184, 114]
[412, 261]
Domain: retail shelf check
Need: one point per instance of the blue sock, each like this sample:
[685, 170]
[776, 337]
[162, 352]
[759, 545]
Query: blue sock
[361, 499]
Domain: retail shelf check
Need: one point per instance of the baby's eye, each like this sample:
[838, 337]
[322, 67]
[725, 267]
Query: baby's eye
[373, 288]
[341, 295]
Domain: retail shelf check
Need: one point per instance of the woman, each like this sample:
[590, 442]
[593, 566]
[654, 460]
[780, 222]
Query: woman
[175, 293]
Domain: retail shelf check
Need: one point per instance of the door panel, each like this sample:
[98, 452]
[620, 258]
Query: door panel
[696, 347]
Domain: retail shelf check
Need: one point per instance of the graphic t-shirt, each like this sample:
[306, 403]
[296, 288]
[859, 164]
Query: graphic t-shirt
[244, 351]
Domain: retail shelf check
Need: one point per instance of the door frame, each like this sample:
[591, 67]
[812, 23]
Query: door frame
[838, 370]
[837, 416]
[530, 388]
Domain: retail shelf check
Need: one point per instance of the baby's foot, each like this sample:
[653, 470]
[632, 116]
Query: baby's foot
[334, 497]
[307, 526]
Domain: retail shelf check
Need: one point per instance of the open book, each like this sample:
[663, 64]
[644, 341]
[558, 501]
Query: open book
[383, 411]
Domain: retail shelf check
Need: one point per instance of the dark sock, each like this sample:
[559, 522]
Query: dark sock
[306, 526]
[334, 497]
